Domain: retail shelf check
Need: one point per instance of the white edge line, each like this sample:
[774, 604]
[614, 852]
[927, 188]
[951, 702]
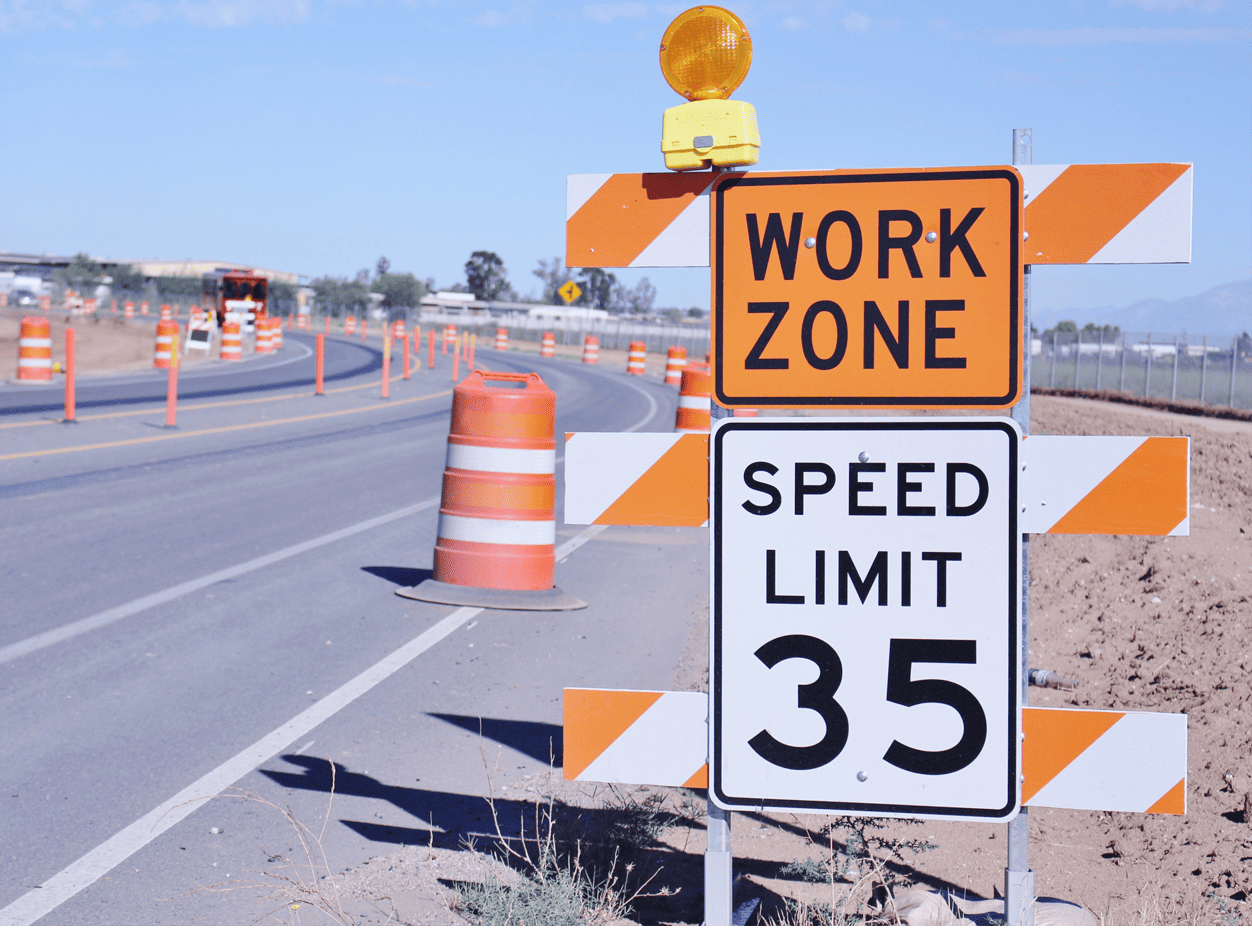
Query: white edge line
[37, 903]
[91, 623]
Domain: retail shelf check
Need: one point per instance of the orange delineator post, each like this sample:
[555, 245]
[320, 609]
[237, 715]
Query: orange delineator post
[70, 362]
[327, 325]
[456, 361]
[365, 325]
[34, 350]
[321, 364]
[386, 366]
[432, 348]
[405, 340]
[473, 346]
[171, 390]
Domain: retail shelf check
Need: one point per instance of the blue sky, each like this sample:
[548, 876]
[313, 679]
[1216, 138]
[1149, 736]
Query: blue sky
[316, 135]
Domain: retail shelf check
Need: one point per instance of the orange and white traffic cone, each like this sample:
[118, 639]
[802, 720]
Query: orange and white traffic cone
[34, 350]
[166, 344]
[502, 339]
[694, 412]
[264, 337]
[675, 361]
[547, 347]
[232, 344]
[635, 361]
[496, 543]
[591, 350]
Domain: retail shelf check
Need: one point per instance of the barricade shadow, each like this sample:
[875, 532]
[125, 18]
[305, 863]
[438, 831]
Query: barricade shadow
[401, 577]
[540, 741]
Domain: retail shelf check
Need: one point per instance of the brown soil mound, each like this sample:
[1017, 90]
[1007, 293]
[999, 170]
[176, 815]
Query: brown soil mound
[101, 343]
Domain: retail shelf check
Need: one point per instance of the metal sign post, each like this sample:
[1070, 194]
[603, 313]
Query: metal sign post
[1019, 880]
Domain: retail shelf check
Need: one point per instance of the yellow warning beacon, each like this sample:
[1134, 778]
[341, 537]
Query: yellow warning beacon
[705, 54]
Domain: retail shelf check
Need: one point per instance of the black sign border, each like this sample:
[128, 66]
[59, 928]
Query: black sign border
[1014, 539]
[731, 180]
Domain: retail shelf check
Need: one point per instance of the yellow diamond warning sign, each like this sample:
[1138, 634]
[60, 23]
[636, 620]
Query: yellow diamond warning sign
[891, 288]
[569, 291]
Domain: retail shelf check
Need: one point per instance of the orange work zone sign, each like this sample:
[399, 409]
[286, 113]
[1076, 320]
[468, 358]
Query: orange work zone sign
[854, 289]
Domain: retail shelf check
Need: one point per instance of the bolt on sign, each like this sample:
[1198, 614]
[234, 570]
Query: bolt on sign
[866, 598]
[890, 288]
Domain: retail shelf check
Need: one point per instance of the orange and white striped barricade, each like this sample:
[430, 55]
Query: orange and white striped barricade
[166, 351]
[276, 332]
[591, 350]
[200, 331]
[349, 326]
[302, 322]
[34, 350]
[143, 308]
[636, 358]
[129, 309]
[502, 339]
[1075, 214]
[232, 342]
[1071, 759]
[91, 305]
[547, 345]
[449, 336]
[264, 337]
[694, 406]
[397, 331]
[167, 312]
[497, 520]
[675, 361]
[1093, 485]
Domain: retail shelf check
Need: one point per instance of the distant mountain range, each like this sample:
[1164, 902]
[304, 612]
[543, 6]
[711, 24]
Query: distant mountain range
[1224, 310]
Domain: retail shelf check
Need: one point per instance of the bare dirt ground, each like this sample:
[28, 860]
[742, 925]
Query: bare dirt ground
[102, 344]
[1161, 624]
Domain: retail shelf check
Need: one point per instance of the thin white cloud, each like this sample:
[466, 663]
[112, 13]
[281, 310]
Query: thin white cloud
[793, 24]
[607, 12]
[16, 15]
[494, 19]
[1091, 35]
[856, 22]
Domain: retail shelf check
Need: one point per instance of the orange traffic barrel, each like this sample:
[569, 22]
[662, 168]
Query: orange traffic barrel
[349, 326]
[34, 350]
[397, 331]
[496, 544]
[547, 348]
[276, 332]
[635, 361]
[502, 339]
[675, 361]
[264, 337]
[166, 313]
[129, 309]
[166, 344]
[302, 322]
[232, 345]
[143, 308]
[693, 399]
[591, 350]
[449, 336]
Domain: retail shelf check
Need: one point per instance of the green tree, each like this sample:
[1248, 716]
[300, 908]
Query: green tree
[597, 288]
[352, 296]
[399, 290]
[382, 267]
[553, 274]
[83, 274]
[635, 300]
[485, 276]
[126, 277]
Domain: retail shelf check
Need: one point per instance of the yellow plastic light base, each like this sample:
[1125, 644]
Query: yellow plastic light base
[701, 133]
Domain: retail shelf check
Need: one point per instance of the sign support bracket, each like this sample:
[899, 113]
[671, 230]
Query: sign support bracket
[718, 867]
[1019, 880]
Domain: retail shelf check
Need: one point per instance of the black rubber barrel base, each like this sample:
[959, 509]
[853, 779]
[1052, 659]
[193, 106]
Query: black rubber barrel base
[433, 591]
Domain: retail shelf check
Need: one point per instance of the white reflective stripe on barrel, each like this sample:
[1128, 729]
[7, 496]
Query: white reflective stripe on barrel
[497, 531]
[504, 460]
[694, 403]
[33, 342]
[34, 362]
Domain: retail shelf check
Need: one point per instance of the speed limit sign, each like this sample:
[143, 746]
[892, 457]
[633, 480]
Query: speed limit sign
[866, 601]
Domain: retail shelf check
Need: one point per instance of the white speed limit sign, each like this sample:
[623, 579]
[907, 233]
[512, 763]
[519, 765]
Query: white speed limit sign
[864, 638]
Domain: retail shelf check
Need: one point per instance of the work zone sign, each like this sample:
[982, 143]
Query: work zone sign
[854, 289]
[866, 599]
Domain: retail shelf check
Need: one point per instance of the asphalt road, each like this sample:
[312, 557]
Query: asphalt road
[188, 609]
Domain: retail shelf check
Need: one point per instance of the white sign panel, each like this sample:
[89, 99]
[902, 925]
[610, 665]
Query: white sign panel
[866, 601]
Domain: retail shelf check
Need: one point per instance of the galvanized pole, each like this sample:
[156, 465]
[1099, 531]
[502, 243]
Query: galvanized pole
[1078, 361]
[1099, 359]
[1234, 358]
[1204, 365]
[1147, 378]
[1019, 880]
[1173, 390]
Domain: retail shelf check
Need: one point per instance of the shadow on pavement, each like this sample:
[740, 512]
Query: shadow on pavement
[401, 577]
[540, 741]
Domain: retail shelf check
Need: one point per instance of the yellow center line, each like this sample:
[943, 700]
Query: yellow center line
[195, 432]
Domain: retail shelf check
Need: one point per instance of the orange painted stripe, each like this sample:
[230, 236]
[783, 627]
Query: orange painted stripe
[625, 215]
[1145, 495]
[1055, 738]
[700, 779]
[672, 492]
[1087, 205]
[1175, 801]
[597, 718]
